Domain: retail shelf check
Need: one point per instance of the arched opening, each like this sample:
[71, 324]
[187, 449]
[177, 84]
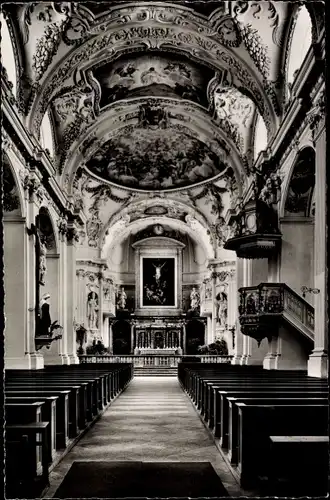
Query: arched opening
[46, 135]
[195, 336]
[260, 136]
[300, 44]
[301, 185]
[121, 337]
[297, 224]
[7, 54]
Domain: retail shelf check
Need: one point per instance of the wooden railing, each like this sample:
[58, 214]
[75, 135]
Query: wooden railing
[276, 299]
[170, 361]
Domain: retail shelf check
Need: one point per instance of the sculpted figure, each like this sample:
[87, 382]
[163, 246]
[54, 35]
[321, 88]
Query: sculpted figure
[194, 299]
[92, 310]
[45, 320]
[42, 262]
[122, 297]
[158, 271]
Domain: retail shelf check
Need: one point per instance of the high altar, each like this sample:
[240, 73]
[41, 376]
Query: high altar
[158, 325]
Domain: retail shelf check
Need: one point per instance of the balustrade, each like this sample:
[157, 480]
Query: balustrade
[146, 360]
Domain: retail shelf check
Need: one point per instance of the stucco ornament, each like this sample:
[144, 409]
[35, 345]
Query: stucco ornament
[93, 228]
[47, 47]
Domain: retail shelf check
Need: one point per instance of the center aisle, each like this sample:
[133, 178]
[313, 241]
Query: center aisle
[151, 421]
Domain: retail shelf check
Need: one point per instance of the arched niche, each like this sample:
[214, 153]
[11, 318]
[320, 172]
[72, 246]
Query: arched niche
[50, 259]
[297, 225]
[300, 44]
[7, 54]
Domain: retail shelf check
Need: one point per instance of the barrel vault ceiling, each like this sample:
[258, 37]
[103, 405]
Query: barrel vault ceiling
[152, 103]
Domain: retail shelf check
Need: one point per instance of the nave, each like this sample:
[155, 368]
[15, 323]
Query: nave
[152, 421]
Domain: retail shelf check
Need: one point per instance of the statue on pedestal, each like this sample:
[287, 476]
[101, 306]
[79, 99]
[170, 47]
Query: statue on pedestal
[92, 310]
[42, 262]
[194, 299]
[122, 297]
[221, 302]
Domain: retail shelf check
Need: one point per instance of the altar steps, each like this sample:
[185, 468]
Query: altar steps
[155, 371]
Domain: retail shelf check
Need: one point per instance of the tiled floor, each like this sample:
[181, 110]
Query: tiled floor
[152, 421]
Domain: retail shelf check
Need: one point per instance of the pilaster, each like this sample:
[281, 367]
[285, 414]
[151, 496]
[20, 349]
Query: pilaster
[318, 360]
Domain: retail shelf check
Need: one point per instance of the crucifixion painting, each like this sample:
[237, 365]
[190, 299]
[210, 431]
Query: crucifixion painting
[158, 282]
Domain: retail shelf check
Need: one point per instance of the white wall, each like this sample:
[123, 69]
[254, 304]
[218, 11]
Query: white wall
[15, 293]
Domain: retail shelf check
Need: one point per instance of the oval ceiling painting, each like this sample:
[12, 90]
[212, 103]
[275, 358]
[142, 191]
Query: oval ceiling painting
[155, 160]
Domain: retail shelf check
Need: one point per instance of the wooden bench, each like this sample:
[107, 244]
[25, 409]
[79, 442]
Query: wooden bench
[62, 410]
[271, 387]
[298, 466]
[21, 473]
[48, 414]
[26, 413]
[52, 387]
[217, 413]
[230, 429]
[258, 422]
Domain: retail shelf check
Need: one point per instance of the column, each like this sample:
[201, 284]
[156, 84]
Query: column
[69, 295]
[36, 359]
[111, 337]
[132, 337]
[18, 311]
[63, 342]
[214, 308]
[184, 338]
[239, 337]
[209, 332]
[105, 331]
[232, 312]
[318, 360]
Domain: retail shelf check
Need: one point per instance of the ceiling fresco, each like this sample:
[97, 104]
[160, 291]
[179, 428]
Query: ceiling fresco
[155, 159]
[153, 75]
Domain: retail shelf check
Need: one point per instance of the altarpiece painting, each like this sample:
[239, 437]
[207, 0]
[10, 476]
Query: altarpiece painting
[158, 282]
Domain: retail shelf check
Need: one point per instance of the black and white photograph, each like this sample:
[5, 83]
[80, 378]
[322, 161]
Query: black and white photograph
[164, 245]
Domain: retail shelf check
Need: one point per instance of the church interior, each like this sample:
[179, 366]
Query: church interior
[164, 249]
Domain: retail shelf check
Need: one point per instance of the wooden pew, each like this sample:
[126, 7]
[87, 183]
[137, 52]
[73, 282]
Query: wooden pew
[62, 410]
[298, 466]
[257, 423]
[26, 413]
[220, 412]
[73, 398]
[48, 414]
[230, 428]
[217, 413]
[21, 472]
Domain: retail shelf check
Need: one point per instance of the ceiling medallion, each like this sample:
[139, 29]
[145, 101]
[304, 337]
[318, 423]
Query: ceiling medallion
[156, 210]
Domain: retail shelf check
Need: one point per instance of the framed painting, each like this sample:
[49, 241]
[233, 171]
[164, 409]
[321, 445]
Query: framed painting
[158, 282]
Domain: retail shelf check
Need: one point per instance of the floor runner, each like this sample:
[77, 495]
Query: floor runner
[95, 479]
